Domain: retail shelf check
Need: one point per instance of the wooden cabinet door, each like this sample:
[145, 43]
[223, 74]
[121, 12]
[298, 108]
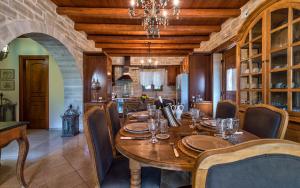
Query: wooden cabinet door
[173, 71]
[35, 93]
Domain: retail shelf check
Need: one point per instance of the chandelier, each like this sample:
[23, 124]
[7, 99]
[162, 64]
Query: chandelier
[154, 14]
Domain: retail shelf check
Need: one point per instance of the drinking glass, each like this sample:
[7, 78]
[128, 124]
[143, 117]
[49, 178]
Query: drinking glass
[163, 126]
[152, 125]
[232, 126]
[195, 117]
[221, 127]
[151, 113]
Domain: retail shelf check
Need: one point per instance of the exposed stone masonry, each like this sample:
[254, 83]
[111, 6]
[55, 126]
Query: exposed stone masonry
[38, 20]
[230, 28]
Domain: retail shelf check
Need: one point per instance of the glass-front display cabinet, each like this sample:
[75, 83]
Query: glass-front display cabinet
[251, 66]
[268, 59]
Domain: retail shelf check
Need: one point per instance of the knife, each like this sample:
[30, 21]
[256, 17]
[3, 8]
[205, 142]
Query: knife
[174, 150]
[133, 138]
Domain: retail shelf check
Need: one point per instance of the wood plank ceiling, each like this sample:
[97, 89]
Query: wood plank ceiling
[108, 23]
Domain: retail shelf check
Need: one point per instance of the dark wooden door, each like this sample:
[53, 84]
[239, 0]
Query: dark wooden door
[228, 63]
[34, 91]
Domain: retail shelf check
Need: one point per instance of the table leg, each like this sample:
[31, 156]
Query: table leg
[23, 151]
[135, 171]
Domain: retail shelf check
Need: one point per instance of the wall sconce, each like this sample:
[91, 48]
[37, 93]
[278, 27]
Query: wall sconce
[4, 53]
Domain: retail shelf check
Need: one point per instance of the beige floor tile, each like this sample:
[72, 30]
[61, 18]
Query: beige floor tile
[82, 185]
[68, 181]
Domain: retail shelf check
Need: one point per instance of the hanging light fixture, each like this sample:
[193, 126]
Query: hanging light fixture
[4, 53]
[154, 14]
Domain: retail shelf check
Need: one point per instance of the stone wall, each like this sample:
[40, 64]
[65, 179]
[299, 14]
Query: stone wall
[37, 19]
[230, 28]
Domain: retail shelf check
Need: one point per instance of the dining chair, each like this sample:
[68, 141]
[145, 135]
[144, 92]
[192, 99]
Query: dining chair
[165, 102]
[266, 121]
[110, 172]
[267, 163]
[226, 109]
[114, 123]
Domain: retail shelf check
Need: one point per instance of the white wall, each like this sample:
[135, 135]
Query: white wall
[217, 80]
[26, 46]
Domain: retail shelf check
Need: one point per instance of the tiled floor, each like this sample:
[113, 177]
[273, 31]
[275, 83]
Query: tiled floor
[52, 162]
[56, 162]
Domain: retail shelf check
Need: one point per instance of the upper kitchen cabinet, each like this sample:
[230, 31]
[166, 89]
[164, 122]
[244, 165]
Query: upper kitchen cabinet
[173, 71]
[200, 76]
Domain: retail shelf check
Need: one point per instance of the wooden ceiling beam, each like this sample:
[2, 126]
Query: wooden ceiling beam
[146, 52]
[119, 29]
[145, 46]
[145, 39]
[116, 13]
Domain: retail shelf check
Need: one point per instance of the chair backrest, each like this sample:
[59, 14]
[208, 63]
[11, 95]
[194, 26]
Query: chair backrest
[226, 109]
[114, 122]
[165, 101]
[98, 140]
[268, 163]
[266, 121]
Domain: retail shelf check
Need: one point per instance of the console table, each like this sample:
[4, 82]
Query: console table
[10, 131]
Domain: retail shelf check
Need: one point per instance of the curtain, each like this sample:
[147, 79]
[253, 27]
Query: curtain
[152, 76]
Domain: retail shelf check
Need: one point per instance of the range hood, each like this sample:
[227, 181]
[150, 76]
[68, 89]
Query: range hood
[126, 76]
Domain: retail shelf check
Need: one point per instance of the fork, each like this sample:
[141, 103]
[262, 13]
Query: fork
[174, 149]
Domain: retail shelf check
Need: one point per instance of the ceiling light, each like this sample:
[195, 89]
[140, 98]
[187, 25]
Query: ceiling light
[154, 14]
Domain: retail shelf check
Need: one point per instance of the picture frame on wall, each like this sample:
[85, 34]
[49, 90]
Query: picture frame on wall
[7, 85]
[7, 74]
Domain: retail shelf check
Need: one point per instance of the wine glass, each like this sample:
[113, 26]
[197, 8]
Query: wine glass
[152, 125]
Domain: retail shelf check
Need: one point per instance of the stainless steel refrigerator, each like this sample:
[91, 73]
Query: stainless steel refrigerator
[182, 90]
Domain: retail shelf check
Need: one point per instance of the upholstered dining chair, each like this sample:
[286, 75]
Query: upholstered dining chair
[114, 123]
[226, 109]
[165, 102]
[267, 163]
[110, 172]
[266, 121]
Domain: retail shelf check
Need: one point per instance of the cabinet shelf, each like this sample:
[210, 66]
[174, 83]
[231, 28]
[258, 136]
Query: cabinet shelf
[279, 28]
[279, 70]
[256, 39]
[274, 50]
[256, 56]
[278, 90]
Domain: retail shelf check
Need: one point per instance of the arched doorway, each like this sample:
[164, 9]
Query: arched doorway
[65, 52]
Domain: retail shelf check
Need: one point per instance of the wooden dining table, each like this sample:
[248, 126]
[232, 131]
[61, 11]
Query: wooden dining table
[161, 154]
[10, 131]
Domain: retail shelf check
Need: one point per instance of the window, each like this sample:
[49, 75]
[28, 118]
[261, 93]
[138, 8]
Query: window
[152, 79]
[231, 80]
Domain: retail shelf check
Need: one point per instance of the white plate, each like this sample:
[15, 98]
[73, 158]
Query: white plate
[202, 142]
[137, 127]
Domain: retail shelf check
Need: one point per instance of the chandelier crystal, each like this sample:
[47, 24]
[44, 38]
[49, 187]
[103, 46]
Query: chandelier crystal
[154, 14]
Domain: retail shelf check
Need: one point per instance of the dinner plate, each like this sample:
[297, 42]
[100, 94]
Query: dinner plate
[211, 123]
[142, 114]
[189, 147]
[202, 142]
[137, 127]
[162, 136]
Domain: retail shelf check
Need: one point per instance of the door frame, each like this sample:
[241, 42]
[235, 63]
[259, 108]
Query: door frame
[22, 76]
